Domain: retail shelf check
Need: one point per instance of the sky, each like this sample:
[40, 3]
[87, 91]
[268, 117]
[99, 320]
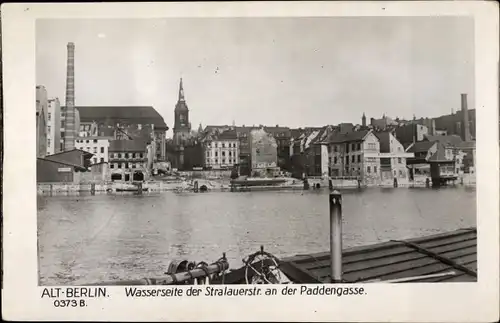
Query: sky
[292, 72]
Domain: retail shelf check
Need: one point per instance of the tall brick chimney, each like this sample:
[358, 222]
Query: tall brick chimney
[70, 131]
[465, 119]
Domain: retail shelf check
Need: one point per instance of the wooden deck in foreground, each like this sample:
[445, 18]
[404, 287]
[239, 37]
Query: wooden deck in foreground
[446, 257]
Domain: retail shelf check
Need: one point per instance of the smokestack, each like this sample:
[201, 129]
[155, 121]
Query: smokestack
[70, 131]
[465, 119]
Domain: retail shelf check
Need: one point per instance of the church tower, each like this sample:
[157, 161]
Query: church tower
[182, 127]
[363, 120]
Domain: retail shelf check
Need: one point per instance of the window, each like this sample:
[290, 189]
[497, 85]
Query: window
[48, 129]
[224, 160]
[48, 142]
[94, 160]
[48, 116]
[335, 148]
[399, 160]
[368, 169]
[335, 160]
[119, 165]
[353, 158]
[400, 173]
[359, 158]
[374, 169]
[395, 174]
[229, 154]
[95, 141]
[86, 141]
[102, 150]
[223, 153]
[359, 146]
[102, 160]
[223, 145]
[111, 165]
[141, 155]
[119, 156]
[216, 161]
[216, 154]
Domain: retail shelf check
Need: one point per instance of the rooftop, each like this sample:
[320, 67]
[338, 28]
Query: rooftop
[439, 155]
[420, 146]
[449, 140]
[136, 145]
[139, 114]
[445, 257]
[385, 141]
[337, 137]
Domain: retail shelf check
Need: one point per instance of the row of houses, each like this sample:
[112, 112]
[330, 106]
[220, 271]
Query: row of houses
[374, 156]
[344, 150]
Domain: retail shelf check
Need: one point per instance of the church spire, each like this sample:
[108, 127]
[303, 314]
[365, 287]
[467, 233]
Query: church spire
[363, 120]
[181, 91]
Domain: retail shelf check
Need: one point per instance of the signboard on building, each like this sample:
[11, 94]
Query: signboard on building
[64, 169]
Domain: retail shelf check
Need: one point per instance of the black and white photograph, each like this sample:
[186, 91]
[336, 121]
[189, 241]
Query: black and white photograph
[316, 151]
[208, 148]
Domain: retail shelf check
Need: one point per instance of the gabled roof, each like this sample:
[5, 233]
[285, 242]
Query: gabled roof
[337, 138]
[384, 138]
[439, 155]
[228, 135]
[139, 114]
[85, 153]
[450, 140]
[136, 145]
[420, 146]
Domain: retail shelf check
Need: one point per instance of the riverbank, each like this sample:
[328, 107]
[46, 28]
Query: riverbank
[220, 186]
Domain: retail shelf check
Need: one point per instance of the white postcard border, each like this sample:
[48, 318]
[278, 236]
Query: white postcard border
[384, 302]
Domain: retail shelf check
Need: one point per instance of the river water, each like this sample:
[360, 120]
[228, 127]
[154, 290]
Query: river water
[86, 239]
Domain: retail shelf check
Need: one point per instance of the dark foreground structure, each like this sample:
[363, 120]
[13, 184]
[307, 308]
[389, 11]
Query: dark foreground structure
[447, 257]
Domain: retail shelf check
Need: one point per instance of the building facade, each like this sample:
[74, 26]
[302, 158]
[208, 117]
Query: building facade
[125, 123]
[41, 120]
[354, 154]
[392, 158]
[221, 149]
[126, 155]
[410, 133]
[53, 126]
[98, 146]
[309, 156]
[62, 167]
[263, 153]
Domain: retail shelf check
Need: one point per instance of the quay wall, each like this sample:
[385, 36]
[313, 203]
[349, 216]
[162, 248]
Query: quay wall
[224, 185]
